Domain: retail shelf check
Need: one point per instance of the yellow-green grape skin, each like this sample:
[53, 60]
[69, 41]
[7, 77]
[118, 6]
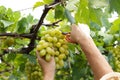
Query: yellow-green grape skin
[50, 44]
[62, 56]
[50, 51]
[58, 44]
[116, 54]
[47, 35]
[61, 63]
[53, 43]
[66, 52]
[33, 71]
[41, 42]
[65, 46]
[45, 45]
[57, 66]
[61, 41]
[61, 49]
[57, 53]
[43, 32]
[56, 59]
[49, 39]
[39, 47]
[47, 57]
[52, 33]
[42, 52]
[55, 39]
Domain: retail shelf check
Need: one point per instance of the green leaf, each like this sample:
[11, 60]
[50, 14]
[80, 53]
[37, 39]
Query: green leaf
[11, 57]
[95, 15]
[99, 3]
[6, 23]
[29, 18]
[31, 58]
[38, 4]
[22, 25]
[71, 5]
[16, 15]
[50, 16]
[59, 12]
[48, 1]
[2, 9]
[115, 27]
[82, 14]
[115, 5]
[105, 22]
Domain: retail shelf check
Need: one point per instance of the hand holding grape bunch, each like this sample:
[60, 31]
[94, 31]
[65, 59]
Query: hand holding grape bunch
[53, 43]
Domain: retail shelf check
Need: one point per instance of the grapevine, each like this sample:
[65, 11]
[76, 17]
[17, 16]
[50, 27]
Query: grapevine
[53, 43]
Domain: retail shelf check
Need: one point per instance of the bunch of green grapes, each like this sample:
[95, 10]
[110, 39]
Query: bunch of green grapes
[33, 71]
[116, 54]
[53, 43]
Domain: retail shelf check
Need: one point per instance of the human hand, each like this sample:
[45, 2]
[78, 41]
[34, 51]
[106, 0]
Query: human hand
[47, 67]
[80, 33]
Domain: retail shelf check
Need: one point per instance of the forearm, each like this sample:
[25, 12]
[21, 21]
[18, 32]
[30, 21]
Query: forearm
[96, 60]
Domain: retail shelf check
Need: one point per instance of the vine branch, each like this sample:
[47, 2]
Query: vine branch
[31, 45]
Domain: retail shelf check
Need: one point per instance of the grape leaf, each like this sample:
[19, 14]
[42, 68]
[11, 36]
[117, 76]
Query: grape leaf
[59, 12]
[6, 23]
[115, 27]
[82, 14]
[22, 25]
[114, 5]
[11, 56]
[99, 3]
[48, 1]
[38, 4]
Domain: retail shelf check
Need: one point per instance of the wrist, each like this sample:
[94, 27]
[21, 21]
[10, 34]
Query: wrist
[84, 41]
[49, 76]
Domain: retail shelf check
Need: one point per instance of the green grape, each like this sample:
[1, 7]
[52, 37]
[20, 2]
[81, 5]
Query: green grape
[50, 51]
[61, 56]
[45, 45]
[58, 44]
[61, 63]
[55, 39]
[47, 57]
[49, 39]
[116, 54]
[41, 42]
[65, 46]
[39, 47]
[42, 52]
[57, 53]
[61, 49]
[53, 43]
[56, 59]
[33, 71]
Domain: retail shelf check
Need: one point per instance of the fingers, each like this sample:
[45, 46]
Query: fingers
[40, 60]
[73, 26]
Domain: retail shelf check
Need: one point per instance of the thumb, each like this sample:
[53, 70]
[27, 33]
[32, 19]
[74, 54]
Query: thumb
[40, 60]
